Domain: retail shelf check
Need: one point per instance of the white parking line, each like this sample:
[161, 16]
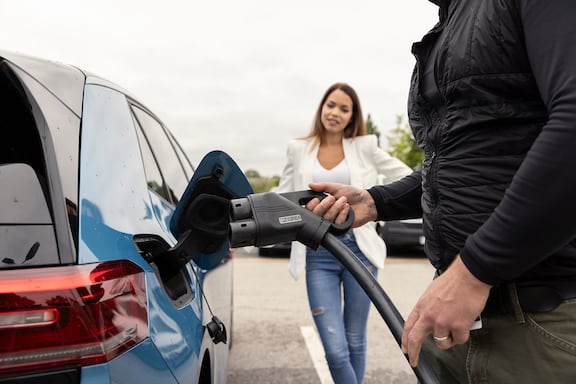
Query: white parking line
[316, 351]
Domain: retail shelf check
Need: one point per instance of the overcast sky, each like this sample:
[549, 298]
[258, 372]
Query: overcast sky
[242, 76]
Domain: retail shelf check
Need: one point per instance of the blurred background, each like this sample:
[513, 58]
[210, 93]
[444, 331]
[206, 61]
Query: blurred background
[239, 76]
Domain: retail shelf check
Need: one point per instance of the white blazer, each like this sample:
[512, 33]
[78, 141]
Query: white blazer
[368, 164]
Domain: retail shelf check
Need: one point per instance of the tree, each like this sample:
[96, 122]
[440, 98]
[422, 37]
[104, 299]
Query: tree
[371, 128]
[252, 173]
[403, 145]
[261, 184]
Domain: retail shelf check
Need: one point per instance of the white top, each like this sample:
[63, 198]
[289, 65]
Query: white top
[367, 165]
[338, 174]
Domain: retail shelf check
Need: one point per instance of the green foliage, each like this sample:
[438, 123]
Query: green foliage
[371, 128]
[252, 174]
[403, 145]
[261, 184]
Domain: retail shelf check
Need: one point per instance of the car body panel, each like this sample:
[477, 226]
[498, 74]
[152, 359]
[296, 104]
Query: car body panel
[109, 201]
[117, 197]
[145, 366]
[100, 202]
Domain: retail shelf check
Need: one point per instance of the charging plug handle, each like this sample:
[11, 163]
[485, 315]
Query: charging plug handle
[271, 218]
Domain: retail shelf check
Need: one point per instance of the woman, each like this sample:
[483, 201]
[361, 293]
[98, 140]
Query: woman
[338, 149]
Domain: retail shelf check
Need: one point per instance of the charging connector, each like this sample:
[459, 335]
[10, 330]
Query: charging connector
[271, 218]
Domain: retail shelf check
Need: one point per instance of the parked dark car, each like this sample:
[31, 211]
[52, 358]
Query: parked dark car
[275, 250]
[402, 233]
[398, 234]
[90, 180]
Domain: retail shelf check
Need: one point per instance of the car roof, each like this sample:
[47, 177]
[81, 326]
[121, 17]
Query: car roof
[63, 81]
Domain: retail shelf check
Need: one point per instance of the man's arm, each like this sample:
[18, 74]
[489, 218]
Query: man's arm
[536, 216]
[400, 199]
[397, 200]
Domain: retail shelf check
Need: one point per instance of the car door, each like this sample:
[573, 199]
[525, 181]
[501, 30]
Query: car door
[123, 195]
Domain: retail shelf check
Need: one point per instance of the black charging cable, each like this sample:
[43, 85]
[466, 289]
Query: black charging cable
[379, 298]
[271, 218]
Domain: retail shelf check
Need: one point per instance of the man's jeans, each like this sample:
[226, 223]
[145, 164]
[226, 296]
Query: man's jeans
[342, 330]
[518, 347]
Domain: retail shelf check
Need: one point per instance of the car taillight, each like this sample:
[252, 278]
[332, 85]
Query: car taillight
[70, 316]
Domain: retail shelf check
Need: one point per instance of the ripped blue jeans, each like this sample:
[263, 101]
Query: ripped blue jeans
[340, 309]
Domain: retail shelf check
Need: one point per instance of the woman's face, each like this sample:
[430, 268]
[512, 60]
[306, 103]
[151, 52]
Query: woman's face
[336, 112]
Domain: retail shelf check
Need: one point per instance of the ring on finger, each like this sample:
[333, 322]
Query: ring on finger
[440, 339]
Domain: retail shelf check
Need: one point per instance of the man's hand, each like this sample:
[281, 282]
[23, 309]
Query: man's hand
[447, 310]
[341, 197]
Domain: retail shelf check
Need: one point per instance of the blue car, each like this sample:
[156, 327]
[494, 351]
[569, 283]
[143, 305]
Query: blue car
[107, 274]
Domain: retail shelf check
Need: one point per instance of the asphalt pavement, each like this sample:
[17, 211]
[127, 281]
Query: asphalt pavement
[273, 336]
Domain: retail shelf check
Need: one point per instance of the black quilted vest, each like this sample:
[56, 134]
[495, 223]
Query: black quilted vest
[489, 114]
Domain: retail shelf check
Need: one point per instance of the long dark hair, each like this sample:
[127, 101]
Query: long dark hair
[356, 126]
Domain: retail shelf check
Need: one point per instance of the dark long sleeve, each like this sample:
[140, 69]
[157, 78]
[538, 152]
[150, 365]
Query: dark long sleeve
[400, 199]
[537, 215]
